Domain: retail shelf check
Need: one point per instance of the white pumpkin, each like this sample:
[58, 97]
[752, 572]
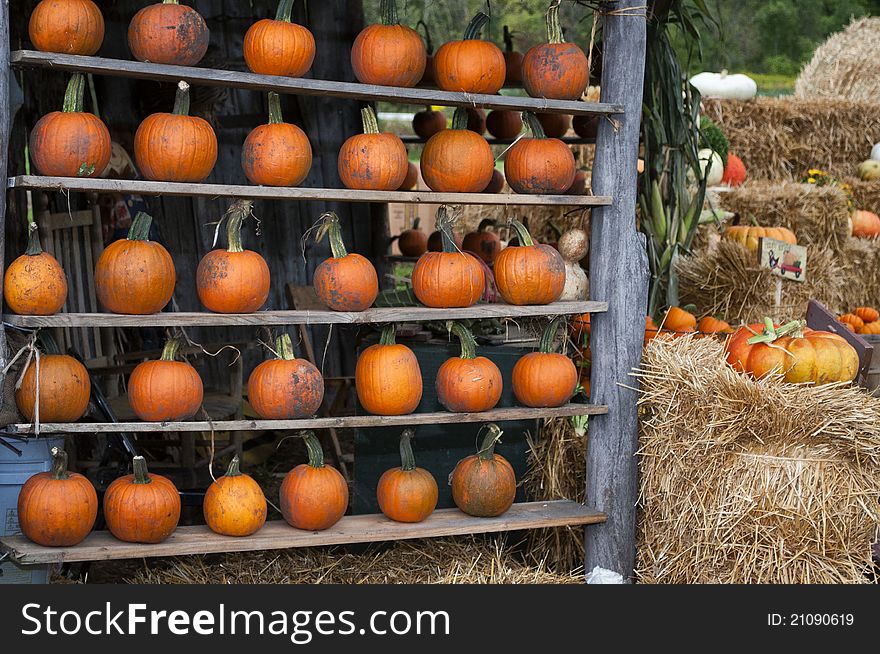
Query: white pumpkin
[709, 157]
[875, 152]
[869, 170]
[576, 284]
[722, 85]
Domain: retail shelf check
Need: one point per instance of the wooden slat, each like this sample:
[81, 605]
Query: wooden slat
[338, 422]
[302, 86]
[306, 317]
[102, 546]
[142, 187]
[570, 140]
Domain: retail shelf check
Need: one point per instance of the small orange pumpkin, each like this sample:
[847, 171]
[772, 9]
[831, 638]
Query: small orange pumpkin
[868, 314]
[504, 123]
[428, 122]
[234, 505]
[580, 327]
[64, 389]
[407, 493]
[865, 224]
[373, 161]
[388, 379]
[285, 388]
[411, 179]
[68, 26]
[539, 164]
[869, 328]
[389, 54]
[35, 283]
[651, 330]
[544, 378]
[165, 389]
[279, 47]
[313, 496]
[168, 33]
[142, 507]
[457, 160]
[468, 383]
[278, 153]
[470, 65]
[512, 60]
[413, 242]
[679, 320]
[530, 273]
[852, 321]
[485, 243]
[346, 281]
[484, 484]
[712, 325]
[556, 69]
[579, 184]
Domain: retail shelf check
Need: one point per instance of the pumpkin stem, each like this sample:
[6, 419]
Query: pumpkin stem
[468, 343]
[172, 348]
[316, 452]
[33, 246]
[181, 99]
[476, 26]
[387, 337]
[285, 8]
[140, 227]
[460, 118]
[170, 2]
[368, 118]
[59, 464]
[275, 116]
[772, 333]
[237, 212]
[388, 11]
[508, 40]
[139, 466]
[233, 470]
[534, 125]
[429, 44]
[444, 225]
[525, 239]
[407, 458]
[333, 230]
[549, 335]
[554, 29]
[73, 96]
[284, 347]
[487, 449]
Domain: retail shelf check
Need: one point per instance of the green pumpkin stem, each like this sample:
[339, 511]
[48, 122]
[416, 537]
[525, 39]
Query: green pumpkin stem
[73, 96]
[554, 28]
[534, 125]
[237, 212]
[368, 118]
[407, 458]
[140, 227]
[316, 452]
[33, 246]
[487, 449]
[508, 40]
[794, 328]
[548, 338]
[468, 343]
[59, 464]
[285, 9]
[476, 26]
[444, 226]
[525, 239]
[333, 230]
[139, 467]
[181, 99]
[460, 118]
[233, 470]
[275, 115]
[429, 44]
[284, 347]
[170, 2]
[387, 337]
[172, 348]
[388, 11]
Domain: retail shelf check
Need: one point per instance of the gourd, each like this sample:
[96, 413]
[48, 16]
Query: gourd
[869, 170]
[572, 247]
[556, 69]
[875, 152]
[68, 26]
[512, 61]
[168, 33]
[135, 275]
[734, 171]
[388, 54]
[313, 496]
[387, 377]
[538, 164]
[722, 85]
[278, 153]
[483, 242]
[34, 283]
[373, 161]
[345, 281]
[470, 65]
[679, 320]
[285, 388]
[713, 161]
[428, 122]
[484, 484]
[748, 235]
[468, 383]
[544, 378]
[504, 123]
[141, 507]
[64, 388]
[407, 493]
[413, 242]
[279, 47]
[233, 280]
[166, 389]
[57, 508]
[234, 505]
[457, 160]
[865, 224]
[531, 273]
[868, 314]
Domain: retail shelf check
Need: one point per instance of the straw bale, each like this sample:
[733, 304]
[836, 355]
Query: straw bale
[866, 194]
[746, 481]
[860, 262]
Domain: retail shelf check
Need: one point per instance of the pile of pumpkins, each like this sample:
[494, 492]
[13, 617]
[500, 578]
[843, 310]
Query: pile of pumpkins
[862, 320]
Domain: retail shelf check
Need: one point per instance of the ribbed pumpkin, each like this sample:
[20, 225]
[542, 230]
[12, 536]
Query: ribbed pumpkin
[449, 278]
[411, 179]
[747, 235]
[233, 280]
[484, 484]
[496, 182]
[852, 321]
[470, 65]
[372, 161]
[868, 314]
[468, 383]
[679, 320]
[428, 122]
[142, 507]
[387, 377]
[512, 60]
[165, 389]
[539, 164]
[544, 378]
[504, 123]
[413, 242]
[388, 54]
[407, 493]
[346, 281]
[530, 273]
[234, 505]
[285, 388]
[69, 26]
[278, 153]
[57, 508]
[35, 284]
[865, 224]
[554, 125]
[555, 70]
[797, 353]
[869, 328]
[176, 147]
[476, 120]
[168, 33]
[585, 126]
[712, 325]
[279, 47]
[70, 142]
[64, 389]
[457, 160]
[313, 496]
[135, 275]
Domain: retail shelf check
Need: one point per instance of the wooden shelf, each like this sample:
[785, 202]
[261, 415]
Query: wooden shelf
[571, 140]
[340, 422]
[102, 546]
[143, 187]
[301, 86]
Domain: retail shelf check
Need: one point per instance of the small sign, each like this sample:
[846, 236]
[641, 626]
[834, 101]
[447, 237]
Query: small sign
[783, 259]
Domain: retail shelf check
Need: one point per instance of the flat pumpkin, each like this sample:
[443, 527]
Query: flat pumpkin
[34, 283]
[142, 507]
[747, 235]
[285, 388]
[345, 281]
[407, 493]
[168, 33]
[313, 496]
[280, 46]
[165, 389]
[372, 161]
[484, 484]
[531, 273]
[278, 153]
[234, 505]
[468, 383]
[388, 379]
[68, 26]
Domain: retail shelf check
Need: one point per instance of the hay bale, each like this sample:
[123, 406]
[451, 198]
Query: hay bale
[727, 281]
[746, 481]
[843, 67]
[866, 195]
[860, 266]
[781, 138]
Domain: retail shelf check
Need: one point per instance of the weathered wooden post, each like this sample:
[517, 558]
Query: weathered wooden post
[619, 276]
[5, 128]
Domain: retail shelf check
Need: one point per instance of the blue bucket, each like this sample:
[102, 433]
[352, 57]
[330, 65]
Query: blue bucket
[15, 469]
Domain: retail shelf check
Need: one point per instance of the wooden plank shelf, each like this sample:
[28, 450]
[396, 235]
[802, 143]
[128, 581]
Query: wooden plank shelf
[102, 546]
[339, 422]
[301, 86]
[261, 318]
[143, 187]
[570, 140]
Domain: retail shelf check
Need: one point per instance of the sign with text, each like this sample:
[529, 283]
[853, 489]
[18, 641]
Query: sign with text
[783, 259]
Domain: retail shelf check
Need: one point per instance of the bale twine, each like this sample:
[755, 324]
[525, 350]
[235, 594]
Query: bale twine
[746, 481]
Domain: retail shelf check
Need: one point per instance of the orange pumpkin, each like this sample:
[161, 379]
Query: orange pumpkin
[852, 321]
[372, 161]
[544, 378]
[35, 284]
[504, 123]
[278, 153]
[135, 275]
[748, 236]
[285, 388]
[485, 243]
[470, 65]
[865, 224]
[389, 54]
[496, 182]
[234, 505]
[413, 242]
[407, 493]
[168, 33]
[679, 320]
[346, 281]
[70, 142]
[387, 377]
[476, 120]
[68, 26]
[798, 354]
[411, 179]
[554, 125]
[530, 273]
[313, 496]
[538, 164]
[512, 60]
[484, 484]
[457, 160]
[585, 126]
[233, 280]
[142, 507]
[651, 330]
[869, 328]
[57, 508]
[555, 70]
[279, 47]
[428, 122]
[712, 325]
[165, 389]
[868, 314]
[580, 327]
[579, 184]
[176, 147]
[468, 383]
[64, 389]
